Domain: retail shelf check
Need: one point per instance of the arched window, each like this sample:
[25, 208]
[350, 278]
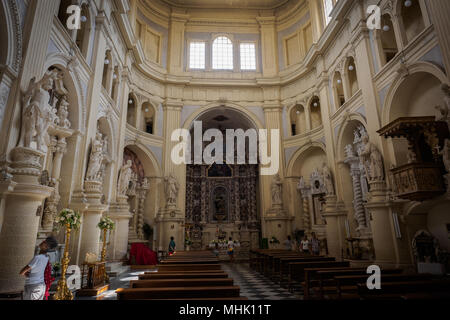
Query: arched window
[316, 116]
[328, 6]
[298, 120]
[222, 52]
[131, 114]
[338, 87]
[387, 41]
[412, 18]
[83, 35]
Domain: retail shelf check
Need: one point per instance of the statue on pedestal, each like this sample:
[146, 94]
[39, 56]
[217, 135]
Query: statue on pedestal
[372, 160]
[172, 186]
[37, 112]
[63, 113]
[96, 158]
[328, 180]
[276, 188]
[124, 178]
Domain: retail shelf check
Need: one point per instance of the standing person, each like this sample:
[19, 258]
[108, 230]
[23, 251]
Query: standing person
[216, 249]
[37, 272]
[172, 246]
[231, 249]
[304, 245]
[288, 243]
[315, 244]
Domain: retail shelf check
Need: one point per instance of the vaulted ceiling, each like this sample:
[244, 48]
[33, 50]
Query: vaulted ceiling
[223, 4]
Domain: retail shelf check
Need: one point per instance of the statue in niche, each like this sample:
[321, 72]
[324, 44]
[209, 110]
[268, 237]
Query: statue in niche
[63, 113]
[276, 189]
[37, 112]
[372, 160]
[445, 153]
[219, 205]
[96, 158]
[124, 178]
[172, 186]
[444, 110]
[328, 180]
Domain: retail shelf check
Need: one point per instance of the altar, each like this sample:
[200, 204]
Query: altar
[221, 202]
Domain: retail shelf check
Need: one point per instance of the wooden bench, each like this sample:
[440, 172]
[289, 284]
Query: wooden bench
[177, 293]
[322, 280]
[271, 261]
[191, 261]
[396, 290]
[283, 265]
[187, 267]
[194, 282]
[348, 285]
[176, 275]
[296, 270]
[184, 271]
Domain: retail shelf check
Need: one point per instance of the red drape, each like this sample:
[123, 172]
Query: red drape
[142, 255]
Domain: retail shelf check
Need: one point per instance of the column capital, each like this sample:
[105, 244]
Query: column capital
[272, 106]
[266, 21]
[170, 104]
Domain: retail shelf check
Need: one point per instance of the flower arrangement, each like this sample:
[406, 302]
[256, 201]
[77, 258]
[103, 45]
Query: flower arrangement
[69, 217]
[274, 240]
[106, 224]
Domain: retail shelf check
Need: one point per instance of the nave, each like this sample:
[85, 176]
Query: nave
[269, 275]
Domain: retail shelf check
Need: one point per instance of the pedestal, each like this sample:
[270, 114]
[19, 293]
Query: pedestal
[170, 222]
[277, 224]
[335, 215]
[118, 245]
[90, 233]
[383, 234]
[20, 222]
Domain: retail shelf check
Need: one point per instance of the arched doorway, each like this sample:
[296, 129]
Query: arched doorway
[222, 199]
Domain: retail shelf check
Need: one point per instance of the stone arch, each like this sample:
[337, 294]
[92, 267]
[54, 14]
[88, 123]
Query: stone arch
[412, 20]
[297, 119]
[249, 115]
[132, 108]
[338, 90]
[148, 117]
[11, 35]
[300, 152]
[315, 112]
[386, 41]
[74, 87]
[415, 94]
[351, 76]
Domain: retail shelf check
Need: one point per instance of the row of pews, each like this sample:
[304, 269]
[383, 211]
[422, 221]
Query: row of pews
[322, 277]
[186, 275]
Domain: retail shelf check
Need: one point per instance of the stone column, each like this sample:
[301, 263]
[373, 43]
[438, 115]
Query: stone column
[305, 191]
[358, 204]
[439, 10]
[268, 46]
[383, 233]
[120, 214]
[90, 233]
[335, 215]
[20, 221]
[176, 42]
[170, 218]
[142, 192]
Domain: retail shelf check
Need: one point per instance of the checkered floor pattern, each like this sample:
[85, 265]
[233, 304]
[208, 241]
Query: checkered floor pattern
[253, 285]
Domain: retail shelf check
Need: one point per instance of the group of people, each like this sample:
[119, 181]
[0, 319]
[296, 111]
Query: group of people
[306, 246]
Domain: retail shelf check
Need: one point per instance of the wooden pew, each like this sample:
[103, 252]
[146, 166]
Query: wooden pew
[175, 275]
[271, 261]
[195, 282]
[296, 270]
[185, 271]
[260, 254]
[177, 293]
[188, 267]
[321, 280]
[190, 261]
[396, 290]
[347, 286]
[283, 264]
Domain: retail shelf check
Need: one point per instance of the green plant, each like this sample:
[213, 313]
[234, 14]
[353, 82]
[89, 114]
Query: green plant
[69, 217]
[106, 223]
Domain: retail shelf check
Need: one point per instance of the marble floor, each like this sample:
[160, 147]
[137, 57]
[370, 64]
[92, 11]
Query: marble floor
[253, 285]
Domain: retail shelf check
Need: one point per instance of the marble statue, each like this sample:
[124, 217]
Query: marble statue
[124, 178]
[301, 184]
[328, 180]
[276, 189]
[95, 159]
[445, 153]
[63, 113]
[172, 187]
[372, 160]
[37, 112]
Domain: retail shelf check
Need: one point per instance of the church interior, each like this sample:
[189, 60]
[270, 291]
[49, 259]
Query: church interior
[348, 99]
